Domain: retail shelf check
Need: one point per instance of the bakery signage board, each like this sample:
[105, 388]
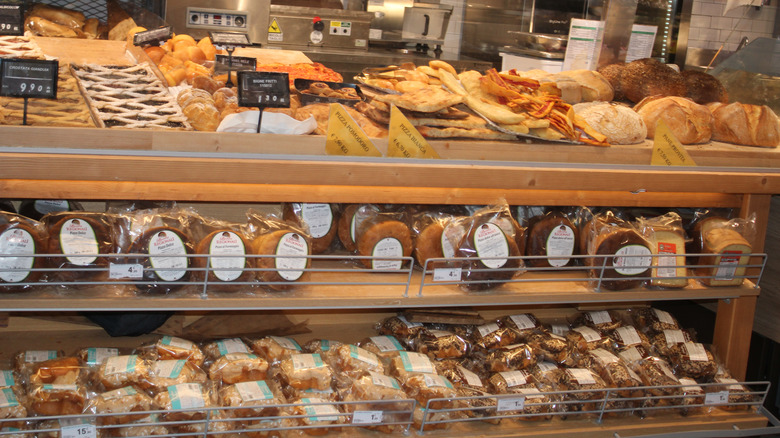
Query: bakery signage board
[404, 139]
[667, 150]
[345, 137]
[152, 37]
[229, 39]
[28, 78]
[11, 19]
[262, 89]
[235, 63]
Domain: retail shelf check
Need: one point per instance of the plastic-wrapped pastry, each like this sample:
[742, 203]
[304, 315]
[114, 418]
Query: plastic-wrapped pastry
[551, 347]
[510, 382]
[171, 347]
[324, 347]
[739, 396]
[553, 236]
[87, 238]
[94, 356]
[238, 367]
[693, 397]
[479, 407]
[371, 386]
[628, 336]
[219, 425]
[256, 398]
[124, 401]
[57, 400]
[458, 375]
[21, 237]
[215, 350]
[523, 324]
[120, 371]
[655, 320]
[694, 360]
[291, 248]
[145, 427]
[622, 251]
[601, 320]
[585, 338]
[493, 335]
[11, 406]
[166, 373]
[440, 344]
[60, 371]
[317, 412]
[408, 364]
[227, 262]
[184, 396]
[306, 371]
[547, 373]
[669, 342]
[386, 347]
[24, 361]
[426, 387]
[379, 235]
[614, 372]
[656, 374]
[581, 379]
[275, 348]
[165, 252]
[511, 357]
[401, 328]
[276, 427]
[634, 353]
[353, 360]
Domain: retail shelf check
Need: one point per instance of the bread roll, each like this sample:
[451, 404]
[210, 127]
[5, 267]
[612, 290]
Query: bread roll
[649, 77]
[745, 124]
[690, 122]
[704, 88]
[619, 123]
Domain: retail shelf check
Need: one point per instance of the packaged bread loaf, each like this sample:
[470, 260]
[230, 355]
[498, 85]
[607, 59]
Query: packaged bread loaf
[320, 220]
[615, 372]
[553, 236]
[229, 265]
[401, 329]
[51, 400]
[315, 411]
[654, 320]
[216, 349]
[669, 342]
[67, 370]
[173, 347]
[83, 239]
[233, 368]
[694, 360]
[440, 344]
[346, 224]
[623, 256]
[628, 336]
[353, 360]
[745, 124]
[492, 335]
[702, 222]
[22, 240]
[429, 238]
[119, 371]
[425, 387]
[601, 320]
[522, 324]
[585, 338]
[667, 242]
[408, 364]
[170, 372]
[511, 357]
[288, 246]
[127, 401]
[658, 376]
[275, 348]
[725, 248]
[508, 382]
[381, 235]
[739, 396]
[370, 387]
[551, 347]
[257, 398]
[581, 379]
[12, 404]
[185, 396]
[492, 253]
[306, 371]
[92, 357]
[693, 397]
[385, 347]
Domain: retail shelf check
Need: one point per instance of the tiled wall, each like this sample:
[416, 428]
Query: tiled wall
[710, 27]
[452, 37]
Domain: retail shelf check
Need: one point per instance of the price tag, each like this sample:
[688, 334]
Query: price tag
[152, 37]
[716, 398]
[29, 78]
[667, 150]
[446, 274]
[118, 271]
[11, 20]
[405, 141]
[232, 39]
[510, 404]
[79, 431]
[345, 137]
[239, 63]
[263, 89]
[367, 417]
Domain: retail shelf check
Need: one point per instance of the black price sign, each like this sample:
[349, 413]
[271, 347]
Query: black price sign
[232, 39]
[235, 63]
[11, 19]
[263, 89]
[28, 78]
[152, 37]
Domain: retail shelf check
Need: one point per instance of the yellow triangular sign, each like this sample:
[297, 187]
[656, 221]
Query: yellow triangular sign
[274, 27]
[667, 150]
[404, 141]
[345, 137]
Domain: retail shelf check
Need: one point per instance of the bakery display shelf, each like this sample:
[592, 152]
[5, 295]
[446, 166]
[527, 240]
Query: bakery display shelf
[334, 281]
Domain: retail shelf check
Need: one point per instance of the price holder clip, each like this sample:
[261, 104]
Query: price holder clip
[153, 37]
[235, 63]
[28, 78]
[261, 89]
[11, 19]
[230, 41]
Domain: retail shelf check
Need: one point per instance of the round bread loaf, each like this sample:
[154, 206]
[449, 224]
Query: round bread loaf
[346, 227]
[320, 219]
[554, 236]
[381, 236]
[745, 124]
[620, 272]
[486, 239]
[690, 122]
[19, 239]
[282, 270]
[649, 77]
[619, 123]
[85, 236]
[612, 73]
[704, 88]
[224, 272]
[166, 260]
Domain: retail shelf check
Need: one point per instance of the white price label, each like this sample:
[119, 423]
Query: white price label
[716, 398]
[118, 271]
[367, 417]
[446, 274]
[510, 404]
[79, 431]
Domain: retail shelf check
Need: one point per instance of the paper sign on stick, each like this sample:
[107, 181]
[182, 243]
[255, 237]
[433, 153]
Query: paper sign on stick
[344, 136]
[404, 139]
[667, 150]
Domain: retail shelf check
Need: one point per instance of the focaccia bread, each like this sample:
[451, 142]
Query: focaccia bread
[238, 367]
[122, 401]
[321, 220]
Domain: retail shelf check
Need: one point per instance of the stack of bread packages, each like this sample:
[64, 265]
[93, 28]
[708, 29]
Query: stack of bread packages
[724, 249]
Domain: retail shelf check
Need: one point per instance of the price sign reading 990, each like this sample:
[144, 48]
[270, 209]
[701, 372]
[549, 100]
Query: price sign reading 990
[11, 19]
[28, 78]
[263, 89]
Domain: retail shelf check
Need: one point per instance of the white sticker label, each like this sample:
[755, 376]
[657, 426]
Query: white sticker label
[546, 367]
[79, 431]
[691, 385]
[631, 355]
[6, 378]
[375, 34]
[168, 369]
[367, 417]
[625, 265]
[78, 238]
[287, 343]
[306, 361]
[254, 391]
[696, 351]
[664, 317]
[604, 357]
[628, 335]
[173, 341]
[291, 244]
[436, 381]
[51, 206]
[16, 243]
[727, 266]
[510, 404]
[490, 241]
[363, 356]
[318, 217]
[8, 398]
[96, 356]
[225, 244]
[560, 242]
[599, 317]
[523, 321]
[514, 378]
[667, 260]
[320, 412]
[35, 356]
[383, 380]
[582, 376]
[487, 329]
[120, 364]
[386, 343]
[118, 271]
[447, 274]
[169, 254]
[186, 395]
[716, 398]
[674, 337]
[471, 377]
[416, 362]
[733, 384]
[388, 247]
[588, 334]
[234, 345]
[559, 329]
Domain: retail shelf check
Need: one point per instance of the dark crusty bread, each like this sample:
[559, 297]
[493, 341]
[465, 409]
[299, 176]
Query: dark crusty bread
[649, 77]
[704, 88]
[613, 72]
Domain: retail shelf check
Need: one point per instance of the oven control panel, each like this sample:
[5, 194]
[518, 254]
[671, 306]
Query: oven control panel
[217, 19]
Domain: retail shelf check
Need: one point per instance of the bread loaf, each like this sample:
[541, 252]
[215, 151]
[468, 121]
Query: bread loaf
[649, 77]
[690, 122]
[728, 247]
[615, 241]
[489, 242]
[666, 237]
[382, 235]
[283, 271]
[224, 271]
[745, 124]
[612, 73]
[87, 238]
[320, 219]
[554, 236]
[619, 123]
[166, 260]
[704, 88]
[22, 239]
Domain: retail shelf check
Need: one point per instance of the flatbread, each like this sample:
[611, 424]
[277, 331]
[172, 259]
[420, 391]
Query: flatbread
[321, 113]
[373, 113]
[470, 122]
[483, 133]
[426, 100]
